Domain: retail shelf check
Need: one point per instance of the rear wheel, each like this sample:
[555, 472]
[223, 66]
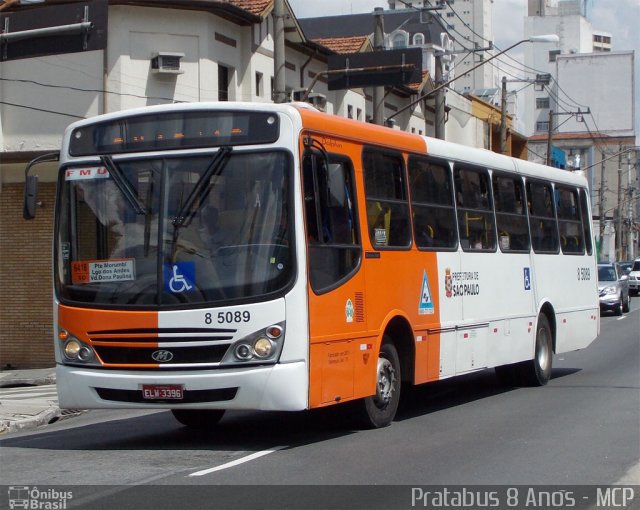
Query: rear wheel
[198, 418]
[379, 410]
[537, 372]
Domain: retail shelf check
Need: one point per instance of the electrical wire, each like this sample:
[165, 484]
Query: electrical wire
[42, 110]
[79, 89]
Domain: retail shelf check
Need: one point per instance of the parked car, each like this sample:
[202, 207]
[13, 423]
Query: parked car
[625, 266]
[634, 278]
[613, 288]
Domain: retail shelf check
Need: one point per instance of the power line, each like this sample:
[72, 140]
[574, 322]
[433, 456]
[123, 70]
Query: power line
[79, 89]
[43, 110]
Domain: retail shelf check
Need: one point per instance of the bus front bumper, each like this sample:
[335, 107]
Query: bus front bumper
[280, 387]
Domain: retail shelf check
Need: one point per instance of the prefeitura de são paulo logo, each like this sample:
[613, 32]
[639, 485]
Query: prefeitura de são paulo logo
[33, 498]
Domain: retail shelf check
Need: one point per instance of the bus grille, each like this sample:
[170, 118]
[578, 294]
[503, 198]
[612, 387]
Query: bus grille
[169, 347]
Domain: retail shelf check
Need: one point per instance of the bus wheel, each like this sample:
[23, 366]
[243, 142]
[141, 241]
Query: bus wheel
[537, 371]
[198, 418]
[380, 409]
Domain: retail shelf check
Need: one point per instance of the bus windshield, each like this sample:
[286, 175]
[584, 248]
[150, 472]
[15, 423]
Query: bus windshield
[175, 230]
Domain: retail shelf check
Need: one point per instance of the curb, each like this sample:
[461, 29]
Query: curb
[10, 379]
[25, 422]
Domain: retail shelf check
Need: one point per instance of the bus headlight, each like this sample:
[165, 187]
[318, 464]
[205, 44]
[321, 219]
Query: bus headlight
[75, 351]
[72, 348]
[263, 346]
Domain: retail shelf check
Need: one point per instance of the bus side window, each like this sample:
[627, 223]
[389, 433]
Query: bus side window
[586, 221]
[434, 219]
[475, 213]
[511, 217]
[542, 219]
[569, 221]
[386, 197]
[332, 234]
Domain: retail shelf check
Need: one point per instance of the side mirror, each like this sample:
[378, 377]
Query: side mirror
[30, 201]
[30, 197]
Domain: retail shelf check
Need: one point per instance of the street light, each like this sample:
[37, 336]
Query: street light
[548, 38]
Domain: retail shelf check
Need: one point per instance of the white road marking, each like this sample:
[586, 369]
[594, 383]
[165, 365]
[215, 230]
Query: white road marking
[620, 318]
[239, 461]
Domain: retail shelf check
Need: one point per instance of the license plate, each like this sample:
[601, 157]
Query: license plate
[162, 391]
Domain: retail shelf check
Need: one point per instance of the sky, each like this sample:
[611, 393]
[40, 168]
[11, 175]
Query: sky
[618, 17]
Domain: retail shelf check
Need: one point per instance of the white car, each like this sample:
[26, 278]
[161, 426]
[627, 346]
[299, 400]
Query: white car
[634, 278]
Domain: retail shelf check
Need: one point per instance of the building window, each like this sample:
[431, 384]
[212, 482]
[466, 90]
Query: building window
[350, 111]
[259, 91]
[399, 41]
[542, 103]
[553, 54]
[359, 114]
[224, 76]
[542, 126]
[418, 40]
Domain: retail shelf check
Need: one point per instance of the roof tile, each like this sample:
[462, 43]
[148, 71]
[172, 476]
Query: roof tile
[343, 44]
[257, 7]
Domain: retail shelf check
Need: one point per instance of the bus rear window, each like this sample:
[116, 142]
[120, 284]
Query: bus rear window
[179, 130]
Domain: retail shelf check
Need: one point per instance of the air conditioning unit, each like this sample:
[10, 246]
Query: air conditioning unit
[298, 94]
[166, 63]
[318, 100]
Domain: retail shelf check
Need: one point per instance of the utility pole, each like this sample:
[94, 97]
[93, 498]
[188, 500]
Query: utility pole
[503, 118]
[439, 98]
[619, 210]
[601, 210]
[378, 45]
[629, 223]
[549, 137]
[279, 82]
[550, 132]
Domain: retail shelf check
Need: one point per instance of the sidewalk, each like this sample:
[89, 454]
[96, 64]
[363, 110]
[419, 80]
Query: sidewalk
[28, 412]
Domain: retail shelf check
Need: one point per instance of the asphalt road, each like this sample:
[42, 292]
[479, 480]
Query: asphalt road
[581, 429]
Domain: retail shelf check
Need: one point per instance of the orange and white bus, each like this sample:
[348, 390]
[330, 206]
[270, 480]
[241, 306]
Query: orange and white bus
[272, 257]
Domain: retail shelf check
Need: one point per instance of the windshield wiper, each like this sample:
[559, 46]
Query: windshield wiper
[123, 185]
[216, 166]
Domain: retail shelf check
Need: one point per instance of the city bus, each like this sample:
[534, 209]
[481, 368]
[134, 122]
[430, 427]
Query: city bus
[225, 256]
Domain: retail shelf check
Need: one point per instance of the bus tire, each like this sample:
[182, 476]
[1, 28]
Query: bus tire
[379, 410]
[198, 418]
[537, 372]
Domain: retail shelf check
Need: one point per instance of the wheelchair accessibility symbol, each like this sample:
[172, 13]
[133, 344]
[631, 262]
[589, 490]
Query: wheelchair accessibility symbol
[527, 278]
[179, 277]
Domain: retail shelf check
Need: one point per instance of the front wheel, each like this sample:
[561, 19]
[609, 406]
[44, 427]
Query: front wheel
[379, 410]
[626, 306]
[198, 418]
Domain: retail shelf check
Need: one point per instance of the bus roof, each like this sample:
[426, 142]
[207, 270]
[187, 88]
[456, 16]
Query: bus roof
[341, 127]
